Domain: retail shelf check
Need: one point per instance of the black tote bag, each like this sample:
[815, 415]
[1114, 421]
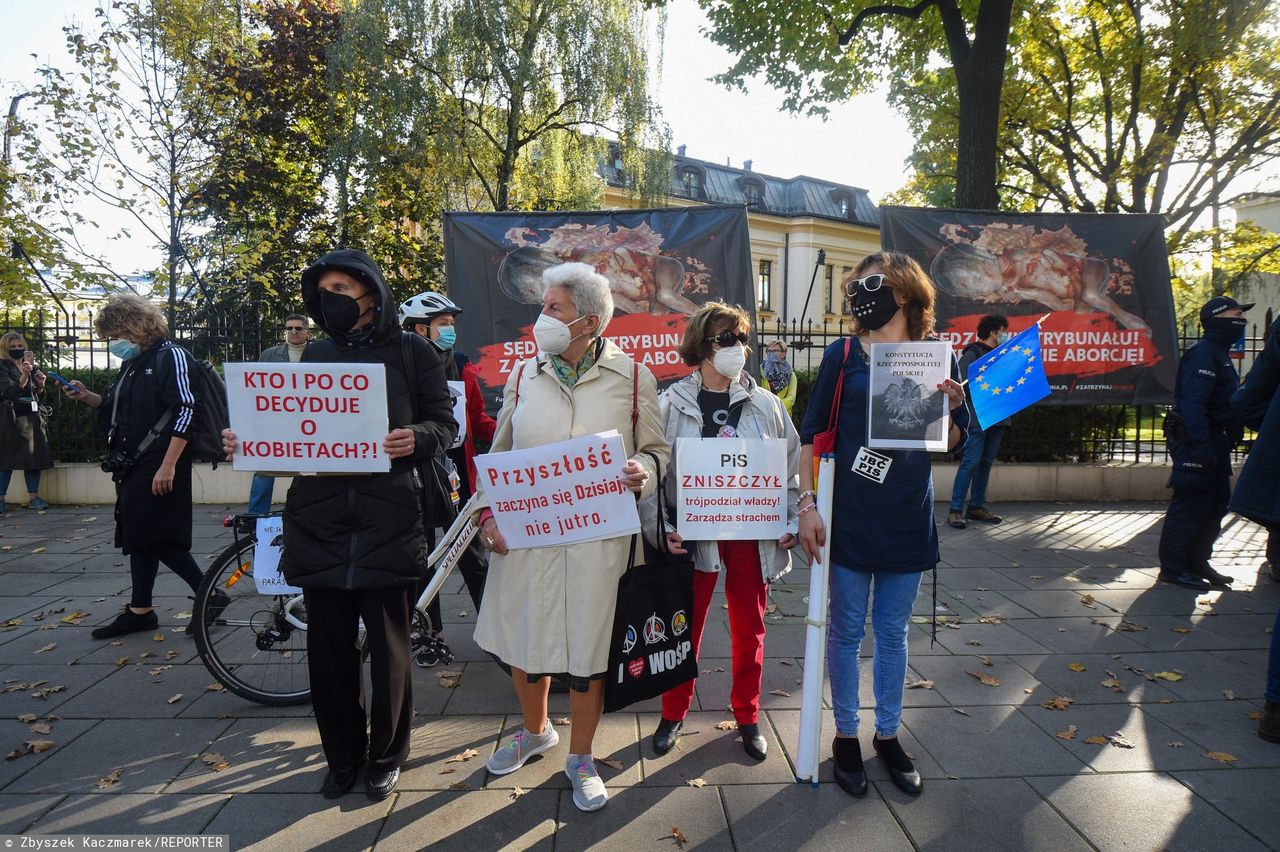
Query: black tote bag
[651, 650]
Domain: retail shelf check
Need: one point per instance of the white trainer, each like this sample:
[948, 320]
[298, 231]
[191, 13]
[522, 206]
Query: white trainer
[520, 748]
[589, 793]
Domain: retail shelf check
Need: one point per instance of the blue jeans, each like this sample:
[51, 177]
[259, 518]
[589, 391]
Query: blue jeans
[890, 620]
[975, 468]
[33, 482]
[260, 494]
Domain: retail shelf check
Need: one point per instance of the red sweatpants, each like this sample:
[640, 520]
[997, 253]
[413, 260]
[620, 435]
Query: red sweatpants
[747, 595]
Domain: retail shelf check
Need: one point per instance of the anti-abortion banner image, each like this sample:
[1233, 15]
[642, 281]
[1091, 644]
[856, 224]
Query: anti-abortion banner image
[662, 265]
[562, 493]
[308, 418]
[1102, 278]
[731, 488]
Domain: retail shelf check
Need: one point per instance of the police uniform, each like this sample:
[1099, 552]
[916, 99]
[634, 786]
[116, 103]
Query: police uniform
[1198, 434]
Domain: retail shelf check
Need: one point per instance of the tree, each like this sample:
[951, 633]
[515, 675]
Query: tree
[525, 87]
[817, 53]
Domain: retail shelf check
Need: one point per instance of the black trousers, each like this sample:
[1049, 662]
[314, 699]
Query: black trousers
[337, 676]
[1193, 521]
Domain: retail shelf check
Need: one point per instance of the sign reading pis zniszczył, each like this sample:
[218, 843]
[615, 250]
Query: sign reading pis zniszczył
[562, 493]
[731, 488]
[308, 418]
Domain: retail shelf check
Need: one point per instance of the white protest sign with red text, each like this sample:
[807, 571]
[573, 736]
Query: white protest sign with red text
[308, 418]
[731, 488]
[561, 493]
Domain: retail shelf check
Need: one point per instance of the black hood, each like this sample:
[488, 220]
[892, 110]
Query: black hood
[360, 266]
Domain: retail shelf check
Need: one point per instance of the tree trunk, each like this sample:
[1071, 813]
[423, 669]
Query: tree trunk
[979, 82]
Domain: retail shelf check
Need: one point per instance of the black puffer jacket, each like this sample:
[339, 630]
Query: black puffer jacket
[365, 531]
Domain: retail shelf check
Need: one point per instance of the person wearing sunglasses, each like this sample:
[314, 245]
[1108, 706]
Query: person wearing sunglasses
[721, 400]
[23, 443]
[778, 374]
[883, 531]
[297, 333]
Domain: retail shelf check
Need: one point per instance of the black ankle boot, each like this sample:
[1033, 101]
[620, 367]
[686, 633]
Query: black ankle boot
[850, 775]
[664, 739]
[1269, 727]
[901, 770]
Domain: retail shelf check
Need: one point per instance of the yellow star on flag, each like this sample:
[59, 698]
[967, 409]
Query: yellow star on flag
[983, 368]
[1022, 380]
[1029, 370]
[985, 386]
[995, 390]
[1009, 389]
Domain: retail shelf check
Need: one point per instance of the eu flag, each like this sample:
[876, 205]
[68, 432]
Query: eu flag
[1008, 379]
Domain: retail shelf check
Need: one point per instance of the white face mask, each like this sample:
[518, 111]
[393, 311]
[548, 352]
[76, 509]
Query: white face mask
[730, 361]
[552, 335]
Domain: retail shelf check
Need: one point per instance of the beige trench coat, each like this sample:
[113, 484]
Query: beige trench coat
[549, 610]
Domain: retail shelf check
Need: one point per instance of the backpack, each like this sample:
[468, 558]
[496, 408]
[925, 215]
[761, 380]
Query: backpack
[205, 442]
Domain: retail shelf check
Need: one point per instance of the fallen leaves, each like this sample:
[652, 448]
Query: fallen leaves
[785, 663]
[112, 778]
[727, 725]
[42, 694]
[1256, 715]
[986, 661]
[611, 762]
[1172, 677]
[449, 679]
[1087, 600]
[1229, 694]
[169, 655]
[45, 648]
[120, 661]
[75, 618]
[215, 761]
[962, 711]
[463, 756]
[1075, 667]
[11, 624]
[1182, 630]
[1068, 734]
[990, 619]
[1221, 756]
[678, 836]
[781, 693]
[696, 782]
[1096, 740]
[175, 698]
[459, 785]
[40, 550]
[40, 728]
[1130, 627]
[215, 687]
[560, 721]
[518, 792]
[1112, 683]
[157, 637]
[986, 679]
[1175, 744]
[21, 685]
[1058, 702]
[919, 684]
[1119, 740]
[30, 747]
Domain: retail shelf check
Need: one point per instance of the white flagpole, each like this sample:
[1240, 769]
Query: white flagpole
[808, 752]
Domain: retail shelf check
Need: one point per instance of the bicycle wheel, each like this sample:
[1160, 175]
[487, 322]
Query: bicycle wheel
[253, 645]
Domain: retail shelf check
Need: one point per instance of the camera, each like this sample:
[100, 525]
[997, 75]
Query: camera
[116, 463]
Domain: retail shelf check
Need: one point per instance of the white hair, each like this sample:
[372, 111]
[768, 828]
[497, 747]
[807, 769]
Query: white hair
[588, 290]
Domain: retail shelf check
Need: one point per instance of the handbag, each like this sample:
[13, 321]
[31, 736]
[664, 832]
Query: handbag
[651, 648]
[440, 478]
[824, 442]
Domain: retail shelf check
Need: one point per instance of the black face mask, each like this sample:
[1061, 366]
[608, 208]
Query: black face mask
[874, 309]
[340, 313]
[1225, 330]
[17, 354]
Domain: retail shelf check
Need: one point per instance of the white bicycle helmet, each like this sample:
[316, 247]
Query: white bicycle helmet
[424, 306]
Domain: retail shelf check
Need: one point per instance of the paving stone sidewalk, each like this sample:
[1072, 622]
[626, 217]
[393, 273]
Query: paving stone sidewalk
[1048, 605]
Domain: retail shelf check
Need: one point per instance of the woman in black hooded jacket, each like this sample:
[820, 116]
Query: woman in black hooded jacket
[355, 544]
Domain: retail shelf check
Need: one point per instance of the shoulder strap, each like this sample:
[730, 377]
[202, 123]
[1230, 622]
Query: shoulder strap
[635, 399]
[835, 405]
[519, 379]
[407, 362]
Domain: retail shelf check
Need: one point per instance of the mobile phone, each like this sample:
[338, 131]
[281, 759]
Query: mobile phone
[66, 384]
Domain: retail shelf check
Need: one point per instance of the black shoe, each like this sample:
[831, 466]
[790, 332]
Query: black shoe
[850, 774]
[379, 785]
[127, 622]
[1216, 579]
[664, 739]
[753, 742]
[338, 782]
[1187, 580]
[901, 770]
[1269, 727]
[219, 602]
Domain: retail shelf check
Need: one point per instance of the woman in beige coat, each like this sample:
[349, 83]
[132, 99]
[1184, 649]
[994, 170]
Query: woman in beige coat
[549, 610]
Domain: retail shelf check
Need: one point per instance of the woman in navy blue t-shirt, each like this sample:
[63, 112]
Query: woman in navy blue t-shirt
[883, 536]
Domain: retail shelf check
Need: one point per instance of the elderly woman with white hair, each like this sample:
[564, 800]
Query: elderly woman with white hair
[549, 610]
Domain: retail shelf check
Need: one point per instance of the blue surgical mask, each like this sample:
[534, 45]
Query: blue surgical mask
[446, 337]
[123, 349]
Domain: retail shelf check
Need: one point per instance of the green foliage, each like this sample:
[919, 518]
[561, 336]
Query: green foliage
[73, 429]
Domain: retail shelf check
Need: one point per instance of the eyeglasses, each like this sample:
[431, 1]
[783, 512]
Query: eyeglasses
[871, 283]
[728, 338]
[293, 330]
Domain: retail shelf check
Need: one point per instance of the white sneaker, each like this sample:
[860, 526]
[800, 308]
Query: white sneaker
[589, 793]
[520, 748]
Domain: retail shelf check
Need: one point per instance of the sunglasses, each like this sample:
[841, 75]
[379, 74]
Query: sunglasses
[294, 330]
[871, 283]
[728, 338]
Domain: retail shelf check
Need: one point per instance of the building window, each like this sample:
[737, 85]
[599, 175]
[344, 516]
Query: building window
[764, 285]
[843, 200]
[753, 192]
[691, 179]
[832, 298]
[846, 306]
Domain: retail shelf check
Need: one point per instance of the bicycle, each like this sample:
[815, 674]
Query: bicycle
[254, 644]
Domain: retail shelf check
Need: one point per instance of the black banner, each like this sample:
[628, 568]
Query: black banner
[662, 264]
[1103, 279]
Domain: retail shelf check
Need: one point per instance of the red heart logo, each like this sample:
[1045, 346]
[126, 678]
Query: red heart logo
[636, 667]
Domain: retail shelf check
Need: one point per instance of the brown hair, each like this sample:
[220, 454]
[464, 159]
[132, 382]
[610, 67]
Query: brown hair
[6, 340]
[711, 319]
[905, 276]
[129, 315]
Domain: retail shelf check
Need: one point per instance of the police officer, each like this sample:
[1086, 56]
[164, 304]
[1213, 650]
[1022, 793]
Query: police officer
[1198, 431]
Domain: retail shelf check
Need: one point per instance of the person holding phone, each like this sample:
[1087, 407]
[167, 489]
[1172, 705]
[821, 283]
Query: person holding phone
[24, 444]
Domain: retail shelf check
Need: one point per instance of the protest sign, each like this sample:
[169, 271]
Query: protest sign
[905, 409]
[459, 393]
[308, 418]
[562, 493]
[731, 488]
[266, 558]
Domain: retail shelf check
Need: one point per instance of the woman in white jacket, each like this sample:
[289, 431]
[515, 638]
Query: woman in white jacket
[549, 610]
[720, 399]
